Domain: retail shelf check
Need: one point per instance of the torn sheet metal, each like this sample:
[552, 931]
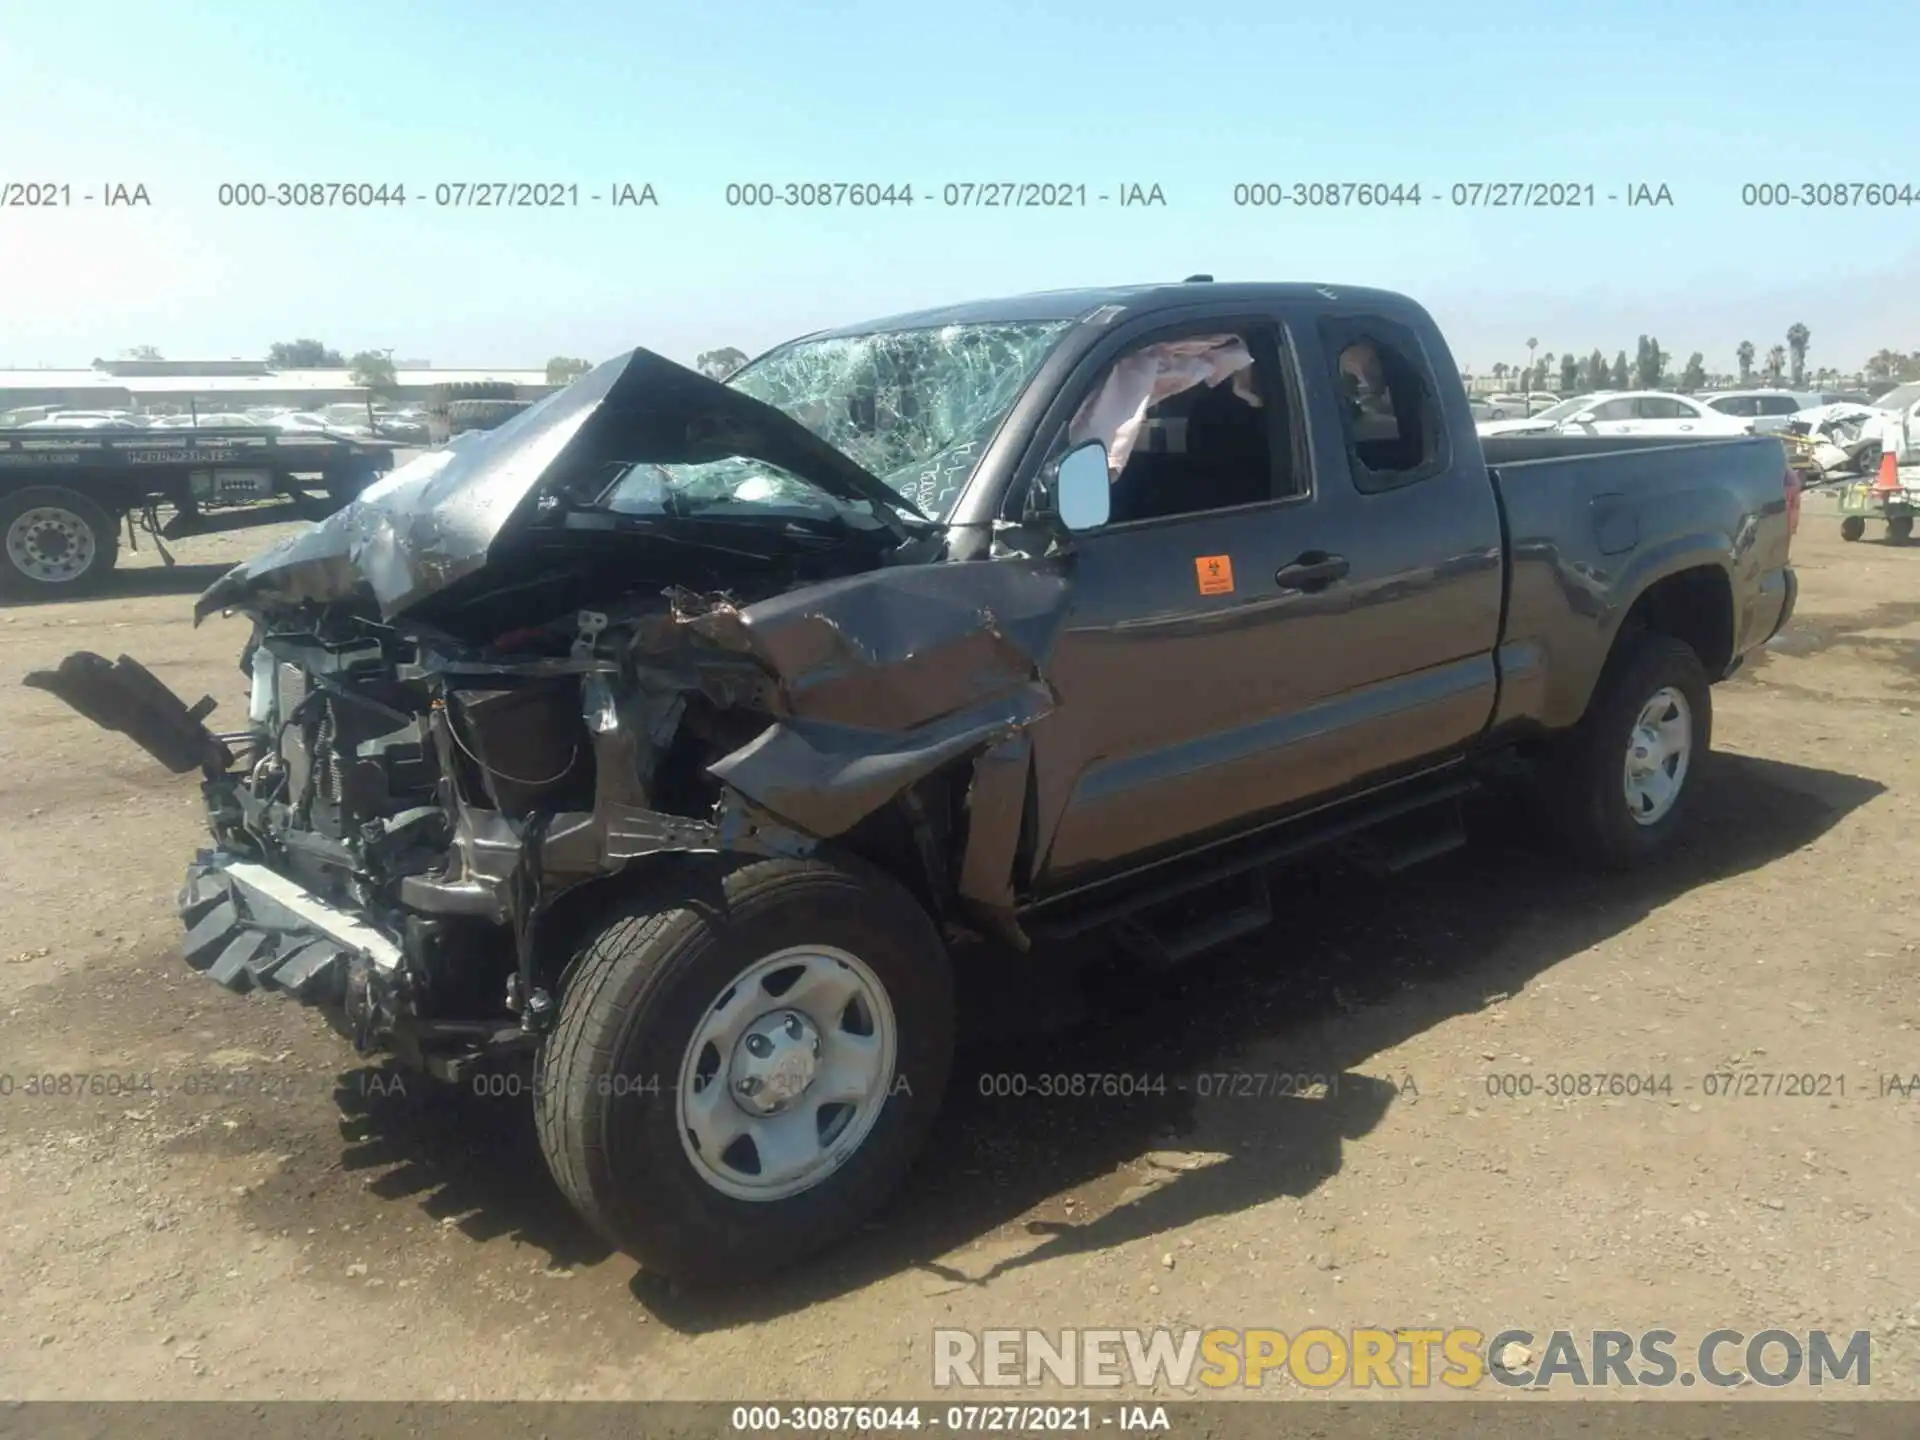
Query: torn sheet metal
[825, 778]
[899, 648]
[996, 813]
[433, 521]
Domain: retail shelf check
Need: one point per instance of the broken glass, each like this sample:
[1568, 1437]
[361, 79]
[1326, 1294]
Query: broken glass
[914, 407]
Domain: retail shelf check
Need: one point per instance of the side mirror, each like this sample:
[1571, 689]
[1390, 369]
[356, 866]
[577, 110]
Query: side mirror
[1083, 493]
[1585, 417]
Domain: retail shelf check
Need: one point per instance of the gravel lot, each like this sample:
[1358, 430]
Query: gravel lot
[273, 1220]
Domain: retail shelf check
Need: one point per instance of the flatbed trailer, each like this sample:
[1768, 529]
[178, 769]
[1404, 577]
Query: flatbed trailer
[66, 494]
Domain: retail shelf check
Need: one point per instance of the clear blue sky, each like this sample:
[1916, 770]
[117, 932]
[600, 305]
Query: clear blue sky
[1703, 97]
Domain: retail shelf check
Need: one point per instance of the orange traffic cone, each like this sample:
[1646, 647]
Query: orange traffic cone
[1889, 477]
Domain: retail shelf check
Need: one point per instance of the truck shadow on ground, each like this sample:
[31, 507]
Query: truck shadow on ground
[1164, 1134]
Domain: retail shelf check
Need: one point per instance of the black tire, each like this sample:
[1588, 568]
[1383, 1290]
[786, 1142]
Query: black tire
[96, 527]
[1900, 529]
[1581, 791]
[1852, 528]
[607, 1109]
[465, 415]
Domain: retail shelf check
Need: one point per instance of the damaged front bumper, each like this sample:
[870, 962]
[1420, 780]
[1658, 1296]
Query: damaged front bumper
[252, 928]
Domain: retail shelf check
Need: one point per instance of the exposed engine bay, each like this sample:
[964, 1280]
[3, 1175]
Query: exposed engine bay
[748, 646]
[436, 795]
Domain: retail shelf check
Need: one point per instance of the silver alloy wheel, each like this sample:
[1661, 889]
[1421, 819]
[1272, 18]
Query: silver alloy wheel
[786, 1073]
[51, 544]
[1657, 754]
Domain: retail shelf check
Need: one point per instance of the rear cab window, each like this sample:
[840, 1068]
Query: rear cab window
[1388, 403]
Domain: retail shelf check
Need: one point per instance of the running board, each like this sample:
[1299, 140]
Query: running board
[1163, 948]
[1115, 898]
[1410, 841]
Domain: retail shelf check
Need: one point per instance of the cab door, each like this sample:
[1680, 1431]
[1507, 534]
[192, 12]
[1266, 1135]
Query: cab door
[1256, 626]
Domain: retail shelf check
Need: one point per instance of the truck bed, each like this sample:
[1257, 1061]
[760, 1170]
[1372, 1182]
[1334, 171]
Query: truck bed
[1593, 521]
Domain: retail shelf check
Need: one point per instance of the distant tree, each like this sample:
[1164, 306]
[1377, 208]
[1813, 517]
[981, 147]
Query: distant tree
[1776, 363]
[1542, 373]
[144, 352]
[1694, 377]
[1649, 365]
[1884, 365]
[1569, 372]
[303, 355]
[1745, 356]
[373, 370]
[1622, 376]
[1890, 366]
[1798, 338]
[718, 364]
[1597, 377]
[563, 369]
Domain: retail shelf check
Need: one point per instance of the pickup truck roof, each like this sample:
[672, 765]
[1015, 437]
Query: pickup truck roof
[1044, 305]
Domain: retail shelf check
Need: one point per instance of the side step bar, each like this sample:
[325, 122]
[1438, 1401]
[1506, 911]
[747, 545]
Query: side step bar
[1090, 908]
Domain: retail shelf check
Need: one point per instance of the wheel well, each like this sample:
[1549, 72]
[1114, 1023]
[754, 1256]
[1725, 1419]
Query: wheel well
[914, 838]
[1694, 606]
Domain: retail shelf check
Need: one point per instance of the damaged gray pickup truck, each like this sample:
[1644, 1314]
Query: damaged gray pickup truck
[679, 738]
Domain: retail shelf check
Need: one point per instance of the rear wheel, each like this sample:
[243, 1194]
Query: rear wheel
[743, 1069]
[1619, 786]
[1852, 528]
[1900, 529]
[55, 542]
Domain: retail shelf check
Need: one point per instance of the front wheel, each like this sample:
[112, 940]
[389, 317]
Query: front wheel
[1852, 528]
[1618, 788]
[743, 1069]
[57, 543]
[1900, 529]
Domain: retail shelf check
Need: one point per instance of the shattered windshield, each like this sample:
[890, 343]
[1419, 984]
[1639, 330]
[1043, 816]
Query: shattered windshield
[917, 408]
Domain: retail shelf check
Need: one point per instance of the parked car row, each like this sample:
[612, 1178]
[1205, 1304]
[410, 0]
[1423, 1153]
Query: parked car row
[1848, 427]
[404, 425]
[1627, 412]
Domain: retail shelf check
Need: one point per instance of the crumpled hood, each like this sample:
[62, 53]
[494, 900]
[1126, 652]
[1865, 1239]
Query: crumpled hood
[435, 520]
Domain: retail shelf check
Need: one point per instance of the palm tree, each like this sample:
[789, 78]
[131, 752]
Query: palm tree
[1776, 362]
[1798, 337]
[1745, 355]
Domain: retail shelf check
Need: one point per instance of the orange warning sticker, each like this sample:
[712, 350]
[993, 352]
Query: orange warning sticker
[1215, 573]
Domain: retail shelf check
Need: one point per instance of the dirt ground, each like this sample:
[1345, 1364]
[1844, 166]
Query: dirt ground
[272, 1219]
